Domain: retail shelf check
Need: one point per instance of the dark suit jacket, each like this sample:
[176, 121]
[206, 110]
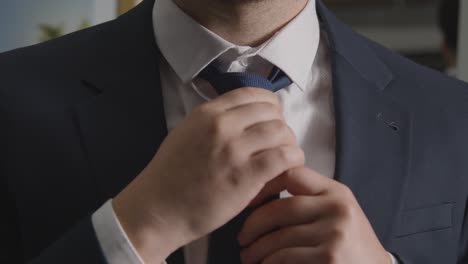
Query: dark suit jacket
[82, 115]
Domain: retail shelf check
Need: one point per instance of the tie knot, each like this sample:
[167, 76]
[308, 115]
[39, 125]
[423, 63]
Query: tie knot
[228, 81]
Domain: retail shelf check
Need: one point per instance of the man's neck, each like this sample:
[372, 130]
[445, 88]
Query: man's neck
[243, 22]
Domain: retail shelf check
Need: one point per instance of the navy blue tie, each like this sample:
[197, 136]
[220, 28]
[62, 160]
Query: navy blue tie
[225, 82]
[223, 246]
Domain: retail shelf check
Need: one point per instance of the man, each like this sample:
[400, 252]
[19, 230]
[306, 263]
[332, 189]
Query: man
[366, 149]
[448, 24]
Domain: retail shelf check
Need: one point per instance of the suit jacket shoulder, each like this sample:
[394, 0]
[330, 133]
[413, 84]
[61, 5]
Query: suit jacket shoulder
[24, 70]
[425, 86]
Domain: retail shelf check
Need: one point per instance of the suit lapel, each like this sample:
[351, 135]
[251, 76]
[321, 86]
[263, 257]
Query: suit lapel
[373, 131]
[123, 123]
[372, 146]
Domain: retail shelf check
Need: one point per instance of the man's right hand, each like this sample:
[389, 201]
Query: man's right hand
[207, 171]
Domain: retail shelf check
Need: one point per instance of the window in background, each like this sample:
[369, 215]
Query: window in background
[407, 26]
[449, 21]
[463, 42]
[125, 5]
[25, 22]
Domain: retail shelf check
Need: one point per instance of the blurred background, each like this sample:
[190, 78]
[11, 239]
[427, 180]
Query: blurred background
[27, 22]
[430, 32]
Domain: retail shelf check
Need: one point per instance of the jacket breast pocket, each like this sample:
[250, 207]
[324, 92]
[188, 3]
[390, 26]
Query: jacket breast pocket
[426, 219]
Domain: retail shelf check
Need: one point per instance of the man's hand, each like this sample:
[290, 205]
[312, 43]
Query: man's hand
[322, 223]
[207, 171]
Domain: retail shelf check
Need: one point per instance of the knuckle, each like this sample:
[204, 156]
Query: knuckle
[344, 195]
[275, 127]
[343, 210]
[338, 233]
[276, 107]
[300, 156]
[261, 163]
[219, 125]
[292, 135]
[281, 127]
[249, 92]
[346, 192]
[336, 207]
[231, 152]
[203, 109]
[342, 201]
[233, 178]
[235, 162]
[263, 130]
[283, 132]
[284, 155]
[275, 99]
[267, 107]
[329, 255]
[299, 205]
[292, 156]
[289, 156]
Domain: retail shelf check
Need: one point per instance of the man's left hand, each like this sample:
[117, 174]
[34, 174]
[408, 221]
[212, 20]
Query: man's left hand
[321, 223]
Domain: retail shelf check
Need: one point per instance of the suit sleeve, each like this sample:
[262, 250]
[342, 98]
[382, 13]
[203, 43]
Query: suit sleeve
[79, 245]
[10, 252]
[463, 245]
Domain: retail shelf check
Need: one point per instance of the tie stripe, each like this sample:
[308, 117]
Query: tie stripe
[228, 81]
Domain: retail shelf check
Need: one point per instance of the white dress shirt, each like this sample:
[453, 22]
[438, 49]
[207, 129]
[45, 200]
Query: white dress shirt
[300, 50]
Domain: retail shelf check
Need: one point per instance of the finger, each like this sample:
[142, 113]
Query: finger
[297, 181]
[288, 237]
[298, 255]
[273, 187]
[303, 181]
[270, 163]
[266, 135]
[232, 124]
[243, 96]
[280, 213]
[239, 119]
[317, 234]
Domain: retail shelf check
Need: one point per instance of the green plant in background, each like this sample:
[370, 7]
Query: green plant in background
[85, 24]
[48, 31]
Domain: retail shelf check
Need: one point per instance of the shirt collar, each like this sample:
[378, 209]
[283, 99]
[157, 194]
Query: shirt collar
[189, 47]
[294, 47]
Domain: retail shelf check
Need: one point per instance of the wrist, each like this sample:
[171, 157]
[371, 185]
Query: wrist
[150, 232]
